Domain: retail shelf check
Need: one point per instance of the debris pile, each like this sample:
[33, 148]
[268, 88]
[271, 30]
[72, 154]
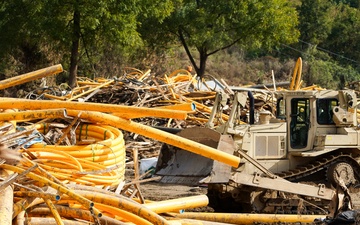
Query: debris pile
[75, 145]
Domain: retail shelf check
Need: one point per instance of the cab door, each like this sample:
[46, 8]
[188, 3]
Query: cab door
[299, 124]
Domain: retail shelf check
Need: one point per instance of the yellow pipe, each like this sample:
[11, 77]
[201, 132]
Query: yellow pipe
[25, 203]
[144, 75]
[53, 197]
[178, 204]
[299, 81]
[191, 107]
[202, 107]
[87, 203]
[52, 221]
[194, 222]
[54, 211]
[123, 203]
[202, 98]
[73, 213]
[61, 155]
[88, 83]
[12, 122]
[21, 79]
[295, 81]
[179, 71]
[94, 159]
[46, 95]
[240, 218]
[171, 86]
[11, 103]
[114, 137]
[32, 114]
[6, 206]
[90, 90]
[125, 215]
[159, 135]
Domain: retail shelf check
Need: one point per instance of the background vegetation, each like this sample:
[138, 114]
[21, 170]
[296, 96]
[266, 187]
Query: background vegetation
[239, 41]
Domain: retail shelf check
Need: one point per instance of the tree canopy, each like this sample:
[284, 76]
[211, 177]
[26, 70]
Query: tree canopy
[77, 28]
[210, 26]
[84, 36]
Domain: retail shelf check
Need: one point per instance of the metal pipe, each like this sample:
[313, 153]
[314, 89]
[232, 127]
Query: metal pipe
[121, 110]
[24, 78]
[244, 218]
[252, 108]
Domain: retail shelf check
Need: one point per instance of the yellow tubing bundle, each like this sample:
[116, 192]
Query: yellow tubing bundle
[100, 163]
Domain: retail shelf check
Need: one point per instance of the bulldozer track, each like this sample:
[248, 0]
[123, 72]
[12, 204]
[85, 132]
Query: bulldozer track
[322, 164]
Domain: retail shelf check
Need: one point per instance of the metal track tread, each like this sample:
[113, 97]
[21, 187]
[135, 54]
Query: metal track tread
[321, 164]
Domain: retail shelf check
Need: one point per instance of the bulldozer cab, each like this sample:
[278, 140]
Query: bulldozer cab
[311, 115]
[300, 121]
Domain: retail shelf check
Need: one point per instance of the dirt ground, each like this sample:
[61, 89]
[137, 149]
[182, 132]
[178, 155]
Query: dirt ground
[159, 191]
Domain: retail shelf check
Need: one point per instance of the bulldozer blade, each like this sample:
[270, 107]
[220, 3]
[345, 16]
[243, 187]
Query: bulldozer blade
[176, 165]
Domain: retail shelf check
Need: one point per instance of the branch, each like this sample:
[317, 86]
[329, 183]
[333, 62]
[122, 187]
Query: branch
[183, 42]
[225, 47]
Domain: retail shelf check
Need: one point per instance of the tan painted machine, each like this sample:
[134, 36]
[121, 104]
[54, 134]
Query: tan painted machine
[292, 162]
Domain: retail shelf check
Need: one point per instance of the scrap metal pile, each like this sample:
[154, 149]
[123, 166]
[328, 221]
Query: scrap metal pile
[64, 151]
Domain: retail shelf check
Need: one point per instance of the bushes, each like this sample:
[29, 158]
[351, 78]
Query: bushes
[329, 74]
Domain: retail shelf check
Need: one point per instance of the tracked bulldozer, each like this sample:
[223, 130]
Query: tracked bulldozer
[302, 159]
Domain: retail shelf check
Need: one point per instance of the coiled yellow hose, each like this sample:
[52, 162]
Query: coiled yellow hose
[101, 163]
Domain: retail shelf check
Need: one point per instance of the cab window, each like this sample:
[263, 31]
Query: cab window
[280, 109]
[325, 111]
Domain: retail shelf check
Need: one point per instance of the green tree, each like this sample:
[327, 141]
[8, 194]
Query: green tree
[87, 26]
[344, 40]
[81, 30]
[206, 27]
[16, 17]
[315, 20]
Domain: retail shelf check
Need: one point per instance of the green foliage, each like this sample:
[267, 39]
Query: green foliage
[210, 26]
[104, 26]
[344, 39]
[351, 3]
[329, 74]
[16, 17]
[315, 20]
[249, 35]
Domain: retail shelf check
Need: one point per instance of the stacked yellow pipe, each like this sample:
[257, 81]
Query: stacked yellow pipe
[126, 111]
[101, 163]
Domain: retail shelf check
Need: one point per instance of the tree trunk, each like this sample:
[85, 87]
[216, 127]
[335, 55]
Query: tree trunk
[75, 48]
[201, 70]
